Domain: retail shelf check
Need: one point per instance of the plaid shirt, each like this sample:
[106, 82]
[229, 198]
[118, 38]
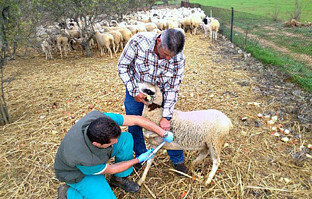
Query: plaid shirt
[139, 63]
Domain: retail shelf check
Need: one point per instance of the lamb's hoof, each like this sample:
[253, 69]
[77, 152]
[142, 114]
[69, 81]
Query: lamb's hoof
[208, 182]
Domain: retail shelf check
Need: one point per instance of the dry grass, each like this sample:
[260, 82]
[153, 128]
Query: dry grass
[47, 97]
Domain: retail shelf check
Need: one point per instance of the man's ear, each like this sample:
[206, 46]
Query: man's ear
[158, 40]
[96, 144]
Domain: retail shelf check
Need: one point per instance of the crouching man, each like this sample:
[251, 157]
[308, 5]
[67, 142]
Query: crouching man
[82, 158]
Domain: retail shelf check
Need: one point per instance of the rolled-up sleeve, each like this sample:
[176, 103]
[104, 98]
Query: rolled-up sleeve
[92, 170]
[172, 88]
[125, 69]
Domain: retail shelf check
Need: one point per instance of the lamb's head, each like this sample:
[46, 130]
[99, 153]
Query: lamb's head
[153, 93]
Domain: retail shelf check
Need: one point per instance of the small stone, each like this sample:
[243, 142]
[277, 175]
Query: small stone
[244, 118]
[287, 180]
[286, 131]
[54, 132]
[276, 134]
[285, 139]
[274, 118]
[260, 115]
[267, 116]
[270, 122]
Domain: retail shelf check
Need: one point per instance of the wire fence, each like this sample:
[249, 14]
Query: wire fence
[276, 42]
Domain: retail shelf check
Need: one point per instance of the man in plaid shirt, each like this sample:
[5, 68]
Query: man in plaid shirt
[156, 59]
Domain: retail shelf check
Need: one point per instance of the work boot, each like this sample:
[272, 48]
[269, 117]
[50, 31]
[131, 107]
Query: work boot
[62, 191]
[124, 183]
[180, 167]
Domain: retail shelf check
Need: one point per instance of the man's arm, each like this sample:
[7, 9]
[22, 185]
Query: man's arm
[171, 89]
[120, 166]
[132, 120]
[125, 72]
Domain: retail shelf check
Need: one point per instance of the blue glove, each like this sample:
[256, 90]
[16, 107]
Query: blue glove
[146, 156]
[169, 137]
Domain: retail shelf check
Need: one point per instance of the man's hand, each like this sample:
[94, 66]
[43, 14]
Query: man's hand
[164, 124]
[145, 156]
[141, 98]
[169, 137]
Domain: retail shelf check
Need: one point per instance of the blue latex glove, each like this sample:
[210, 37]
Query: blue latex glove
[169, 137]
[146, 156]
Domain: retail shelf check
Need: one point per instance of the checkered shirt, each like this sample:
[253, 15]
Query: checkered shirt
[139, 63]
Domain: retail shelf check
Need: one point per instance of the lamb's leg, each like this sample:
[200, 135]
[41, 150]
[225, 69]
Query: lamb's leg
[109, 50]
[202, 155]
[50, 54]
[116, 48]
[60, 49]
[215, 155]
[148, 166]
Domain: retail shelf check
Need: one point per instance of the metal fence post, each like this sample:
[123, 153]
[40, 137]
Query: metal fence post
[232, 19]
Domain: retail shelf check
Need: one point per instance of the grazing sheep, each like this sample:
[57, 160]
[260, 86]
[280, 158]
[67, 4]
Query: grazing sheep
[105, 40]
[126, 34]
[118, 39]
[150, 26]
[212, 25]
[46, 47]
[62, 43]
[203, 130]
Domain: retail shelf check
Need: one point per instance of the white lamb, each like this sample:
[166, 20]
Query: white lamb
[46, 47]
[212, 25]
[203, 130]
[105, 40]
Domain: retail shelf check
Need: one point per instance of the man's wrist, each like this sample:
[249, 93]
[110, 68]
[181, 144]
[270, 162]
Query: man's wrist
[165, 134]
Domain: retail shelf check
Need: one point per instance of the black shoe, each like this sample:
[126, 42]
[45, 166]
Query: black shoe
[124, 183]
[62, 191]
[137, 166]
[180, 167]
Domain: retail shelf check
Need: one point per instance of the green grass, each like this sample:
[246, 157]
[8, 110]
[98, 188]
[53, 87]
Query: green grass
[264, 8]
[296, 40]
[298, 71]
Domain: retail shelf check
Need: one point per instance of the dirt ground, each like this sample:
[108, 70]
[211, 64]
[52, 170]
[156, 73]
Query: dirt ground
[259, 160]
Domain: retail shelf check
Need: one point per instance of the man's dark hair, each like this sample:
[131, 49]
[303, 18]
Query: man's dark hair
[173, 40]
[102, 130]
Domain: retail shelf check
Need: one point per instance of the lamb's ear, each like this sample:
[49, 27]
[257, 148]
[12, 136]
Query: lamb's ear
[148, 91]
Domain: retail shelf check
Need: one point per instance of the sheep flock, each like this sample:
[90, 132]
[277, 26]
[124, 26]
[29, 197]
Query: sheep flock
[110, 36]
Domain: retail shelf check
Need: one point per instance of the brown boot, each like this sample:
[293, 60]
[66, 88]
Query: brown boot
[62, 191]
[124, 183]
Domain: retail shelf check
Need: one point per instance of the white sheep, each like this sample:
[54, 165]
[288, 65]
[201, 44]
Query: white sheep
[62, 43]
[203, 130]
[212, 25]
[46, 47]
[105, 40]
[118, 39]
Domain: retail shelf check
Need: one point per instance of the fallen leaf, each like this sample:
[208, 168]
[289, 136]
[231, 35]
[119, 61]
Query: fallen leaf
[183, 194]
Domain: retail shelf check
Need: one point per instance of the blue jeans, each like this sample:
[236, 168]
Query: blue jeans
[96, 186]
[136, 108]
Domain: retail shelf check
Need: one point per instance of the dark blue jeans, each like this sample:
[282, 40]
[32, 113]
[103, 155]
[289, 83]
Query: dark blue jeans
[136, 108]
